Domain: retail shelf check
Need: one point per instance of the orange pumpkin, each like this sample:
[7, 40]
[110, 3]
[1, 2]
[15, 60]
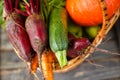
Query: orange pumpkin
[89, 12]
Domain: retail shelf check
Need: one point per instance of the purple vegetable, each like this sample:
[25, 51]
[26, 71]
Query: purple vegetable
[16, 33]
[76, 46]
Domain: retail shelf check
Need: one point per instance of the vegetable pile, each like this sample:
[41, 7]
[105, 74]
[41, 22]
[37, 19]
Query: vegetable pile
[43, 32]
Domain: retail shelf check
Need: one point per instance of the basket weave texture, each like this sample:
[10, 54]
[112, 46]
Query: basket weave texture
[107, 24]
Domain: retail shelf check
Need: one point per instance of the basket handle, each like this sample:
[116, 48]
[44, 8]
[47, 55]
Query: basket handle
[106, 26]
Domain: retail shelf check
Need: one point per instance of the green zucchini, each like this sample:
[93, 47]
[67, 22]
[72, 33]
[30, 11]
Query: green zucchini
[58, 34]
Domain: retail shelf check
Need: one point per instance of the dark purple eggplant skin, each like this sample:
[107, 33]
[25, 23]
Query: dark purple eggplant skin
[37, 31]
[18, 36]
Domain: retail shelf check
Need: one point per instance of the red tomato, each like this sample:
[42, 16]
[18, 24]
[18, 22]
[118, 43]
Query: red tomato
[88, 12]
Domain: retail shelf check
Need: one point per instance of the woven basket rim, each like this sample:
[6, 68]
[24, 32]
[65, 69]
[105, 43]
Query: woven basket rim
[106, 27]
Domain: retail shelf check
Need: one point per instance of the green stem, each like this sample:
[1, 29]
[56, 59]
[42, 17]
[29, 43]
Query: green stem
[61, 56]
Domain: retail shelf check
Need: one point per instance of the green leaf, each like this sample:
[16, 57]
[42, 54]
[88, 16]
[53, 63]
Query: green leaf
[2, 22]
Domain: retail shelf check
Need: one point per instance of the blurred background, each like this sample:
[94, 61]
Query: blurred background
[99, 66]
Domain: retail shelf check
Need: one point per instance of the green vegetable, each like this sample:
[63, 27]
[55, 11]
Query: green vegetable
[2, 22]
[48, 5]
[92, 31]
[75, 29]
[58, 34]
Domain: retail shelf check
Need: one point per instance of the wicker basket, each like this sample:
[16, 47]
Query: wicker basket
[105, 28]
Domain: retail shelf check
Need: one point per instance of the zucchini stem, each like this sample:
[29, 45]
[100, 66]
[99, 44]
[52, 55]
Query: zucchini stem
[62, 59]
